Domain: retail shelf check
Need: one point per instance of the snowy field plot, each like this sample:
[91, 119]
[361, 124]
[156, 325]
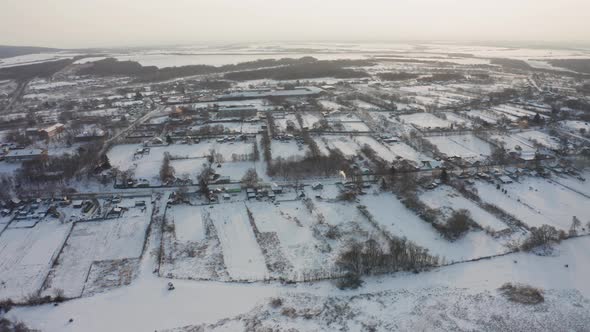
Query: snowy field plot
[405, 151]
[575, 126]
[281, 123]
[393, 216]
[330, 105]
[541, 138]
[309, 119]
[89, 242]
[241, 252]
[365, 106]
[342, 143]
[574, 183]
[537, 201]
[457, 120]
[484, 115]
[551, 200]
[148, 165]
[515, 143]
[352, 126]
[381, 150]
[288, 149]
[234, 127]
[191, 168]
[343, 117]
[290, 221]
[515, 112]
[188, 222]
[447, 198]
[464, 146]
[425, 120]
[26, 256]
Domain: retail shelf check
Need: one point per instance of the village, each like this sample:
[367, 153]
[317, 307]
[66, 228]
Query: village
[250, 174]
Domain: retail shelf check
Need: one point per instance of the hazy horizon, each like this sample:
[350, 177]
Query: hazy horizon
[133, 23]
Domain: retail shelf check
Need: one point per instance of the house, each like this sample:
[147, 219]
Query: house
[317, 186]
[505, 179]
[77, 204]
[14, 156]
[276, 188]
[51, 131]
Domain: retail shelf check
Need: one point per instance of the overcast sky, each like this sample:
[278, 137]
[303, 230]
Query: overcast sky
[102, 23]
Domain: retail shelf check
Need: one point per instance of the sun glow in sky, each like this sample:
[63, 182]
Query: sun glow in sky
[87, 23]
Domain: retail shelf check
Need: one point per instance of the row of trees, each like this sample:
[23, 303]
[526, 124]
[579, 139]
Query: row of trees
[370, 257]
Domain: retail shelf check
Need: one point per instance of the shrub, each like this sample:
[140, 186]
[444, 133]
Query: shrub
[347, 196]
[520, 293]
[458, 224]
[541, 236]
[349, 281]
[6, 305]
[276, 302]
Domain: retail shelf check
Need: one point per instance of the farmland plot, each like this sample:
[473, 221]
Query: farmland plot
[26, 256]
[551, 200]
[393, 216]
[288, 149]
[291, 223]
[147, 166]
[446, 198]
[190, 245]
[95, 241]
[425, 120]
[242, 255]
[515, 143]
[540, 138]
[381, 150]
[342, 143]
[537, 201]
[464, 146]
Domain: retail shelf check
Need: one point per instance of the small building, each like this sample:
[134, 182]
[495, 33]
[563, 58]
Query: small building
[505, 179]
[317, 186]
[51, 131]
[25, 154]
[276, 188]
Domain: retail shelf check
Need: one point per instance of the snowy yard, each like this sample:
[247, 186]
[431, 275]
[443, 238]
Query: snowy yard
[537, 201]
[241, 252]
[26, 256]
[447, 198]
[464, 146]
[95, 241]
[425, 120]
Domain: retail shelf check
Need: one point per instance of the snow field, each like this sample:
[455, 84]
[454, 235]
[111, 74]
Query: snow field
[445, 197]
[394, 217]
[464, 146]
[26, 256]
[241, 252]
[92, 241]
[425, 120]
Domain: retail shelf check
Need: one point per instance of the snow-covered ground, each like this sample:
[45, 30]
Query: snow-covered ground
[241, 252]
[537, 201]
[470, 288]
[95, 241]
[464, 146]
[343, 143]
[445, 197]
[26, 255]
[399, 221]
[288, 149]
[425, 120]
